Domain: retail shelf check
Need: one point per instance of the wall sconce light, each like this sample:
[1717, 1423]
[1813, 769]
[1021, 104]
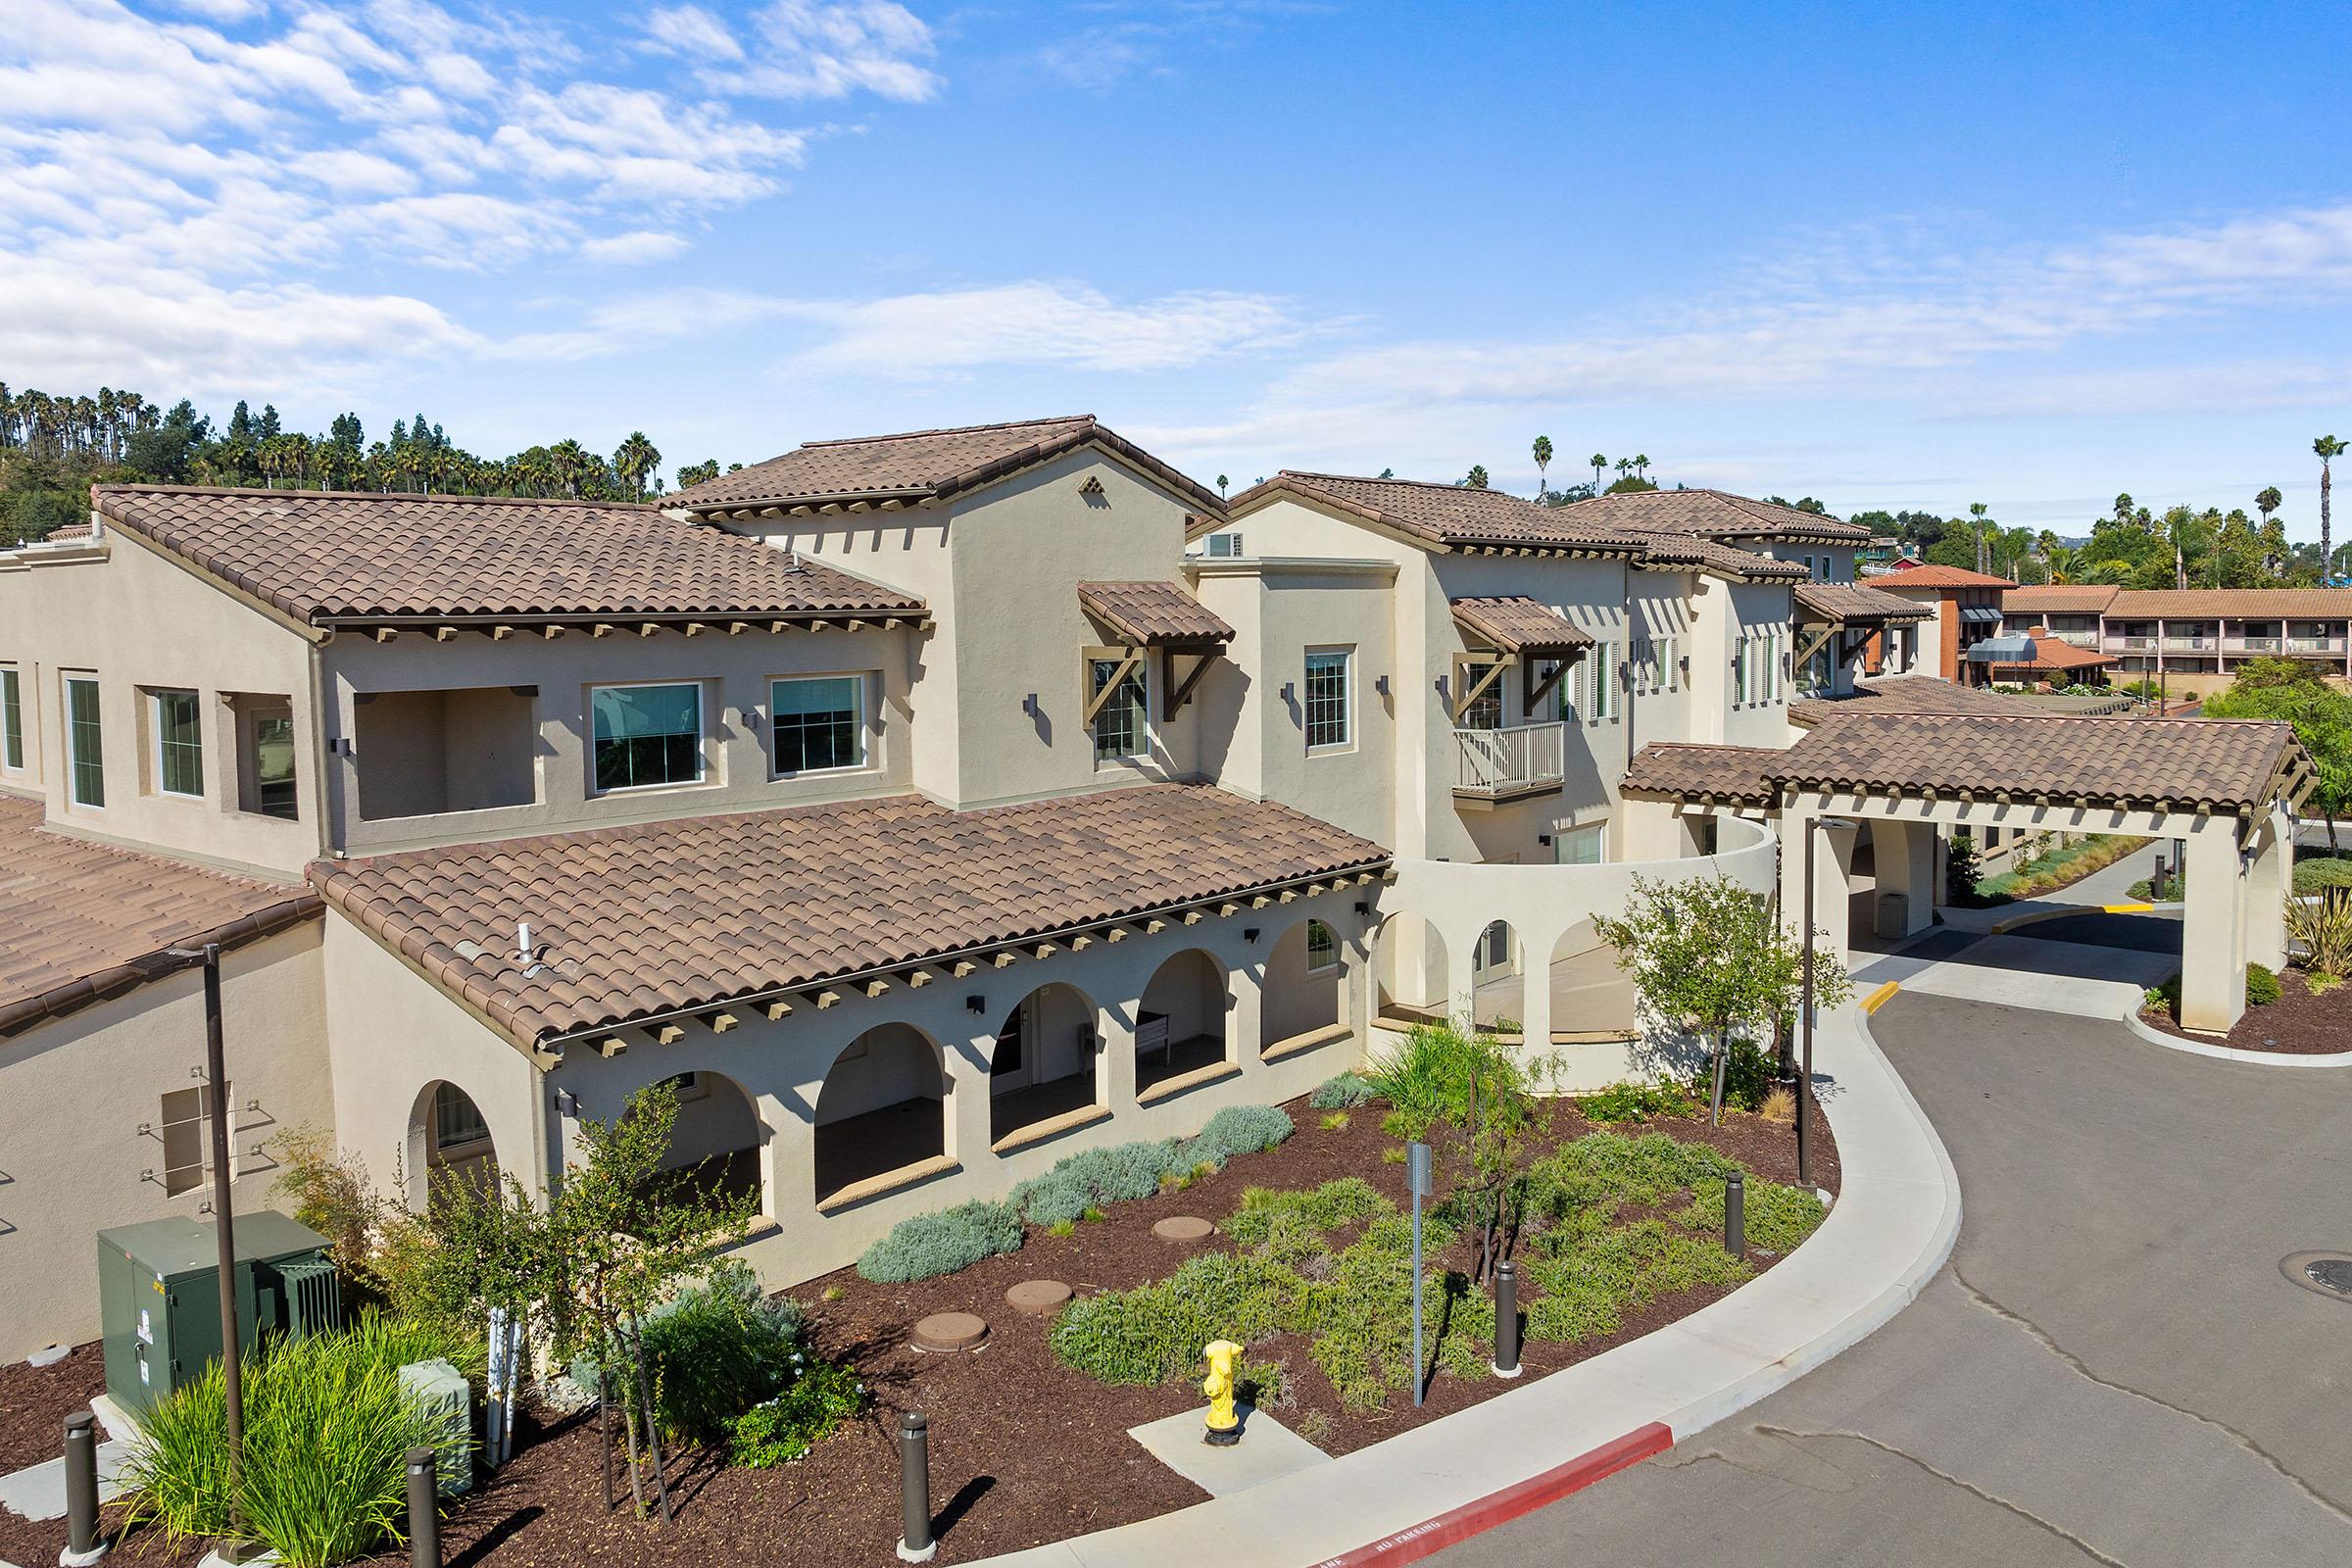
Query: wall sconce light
[1250, 935]
[1544, 839]
[1289, 691]
[975, 1004]
[568, 1104]
[1363, 909]
[1029, 705]
[1379, 685]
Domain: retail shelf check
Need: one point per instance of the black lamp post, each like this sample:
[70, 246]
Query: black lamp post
[215, 1067]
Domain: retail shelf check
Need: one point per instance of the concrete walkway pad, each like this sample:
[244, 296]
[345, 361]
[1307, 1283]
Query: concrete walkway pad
[1269, 1451]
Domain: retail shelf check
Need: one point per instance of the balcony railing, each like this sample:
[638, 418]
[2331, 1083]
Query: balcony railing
[2250, 645]
[2078, 639]
[2120, 644]
[1492, 764]
[2315, 645]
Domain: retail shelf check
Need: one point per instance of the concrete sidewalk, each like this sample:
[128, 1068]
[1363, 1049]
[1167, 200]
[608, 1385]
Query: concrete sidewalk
[2110, 884]
[1895, 1220]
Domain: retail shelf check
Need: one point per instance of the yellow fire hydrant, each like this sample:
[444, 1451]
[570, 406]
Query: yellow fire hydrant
[1224, 1422]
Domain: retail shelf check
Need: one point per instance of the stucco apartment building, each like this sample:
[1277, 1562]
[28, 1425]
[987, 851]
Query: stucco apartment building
[1966, 609]
[2194, 638]
[923, 807]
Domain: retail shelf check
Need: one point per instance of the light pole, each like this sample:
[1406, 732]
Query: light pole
[215, 1068]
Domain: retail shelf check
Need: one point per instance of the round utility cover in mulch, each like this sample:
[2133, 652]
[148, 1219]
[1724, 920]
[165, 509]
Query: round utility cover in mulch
[1037, 1296]
[1182, 1228]
[949, 1330]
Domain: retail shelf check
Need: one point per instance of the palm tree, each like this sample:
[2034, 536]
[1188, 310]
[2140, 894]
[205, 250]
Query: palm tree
[2267, 501]
[1543, 462]
[633, 462]
[1222, 481]
[1983, 530]
[2324, 448]
[1599, 467]
[1641, 466]
[1476, 479]
[2062, 563]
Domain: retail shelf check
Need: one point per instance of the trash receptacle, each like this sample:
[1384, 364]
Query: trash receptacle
[1895, 914]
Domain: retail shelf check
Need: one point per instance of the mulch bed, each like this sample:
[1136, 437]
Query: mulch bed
[2298, 1024]
[1023, 1450]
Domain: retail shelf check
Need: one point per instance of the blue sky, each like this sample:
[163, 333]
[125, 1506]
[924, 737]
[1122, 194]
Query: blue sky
[1888, 255]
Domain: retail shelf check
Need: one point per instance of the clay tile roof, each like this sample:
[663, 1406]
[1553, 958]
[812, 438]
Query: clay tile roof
[922, 465]
[1716, 515]
[1722, 560]
[1520, 624]
[2062, 599]
[1152, 615]
[2228, 764]
[1851, 604]
[322, 555]
[81, 922]
[2235, 604]
[1448, 515]
[2049, 652]
[1909, 694]
[661, 917]
[1935, 574]
[1741, 775]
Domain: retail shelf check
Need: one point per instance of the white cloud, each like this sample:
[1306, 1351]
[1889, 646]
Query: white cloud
[810, 49]
[691, 33]
[1047, 324]
[634, 248]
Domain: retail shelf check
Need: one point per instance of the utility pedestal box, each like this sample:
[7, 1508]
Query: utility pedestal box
[159, 1297]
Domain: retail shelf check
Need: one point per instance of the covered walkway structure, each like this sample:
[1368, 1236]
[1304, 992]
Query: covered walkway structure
[2224, 788]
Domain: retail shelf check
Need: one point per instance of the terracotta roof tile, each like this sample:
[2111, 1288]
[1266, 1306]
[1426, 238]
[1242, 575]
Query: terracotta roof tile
[1909, 694]
[1152, 613]
[1852, 604]
[657, 917]
[82, 921]
[1935, 574]
[2062, 599]
[2235, 604]
[324, 556]
[923, 465]
[1738, 774]
[1715, 515]
[2050, 652]
[1519, 623]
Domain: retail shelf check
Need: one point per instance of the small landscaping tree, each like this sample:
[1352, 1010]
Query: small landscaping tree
[1961, 871]
[1709, 957]
[2291, 689]
[1472, 1097]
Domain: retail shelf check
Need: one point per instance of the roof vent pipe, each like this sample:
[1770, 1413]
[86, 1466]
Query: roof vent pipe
[794, 564]
[523, 948]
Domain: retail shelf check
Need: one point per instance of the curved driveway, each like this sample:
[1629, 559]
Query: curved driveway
[2113, 1368]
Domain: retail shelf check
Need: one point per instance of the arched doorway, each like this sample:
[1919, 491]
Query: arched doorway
[1411, 972]
[1497, 992]
[882, 1110]
[448, 1140]
[1046, 1062]
[1303, 992]
[1180, 1022]
[715, 1143]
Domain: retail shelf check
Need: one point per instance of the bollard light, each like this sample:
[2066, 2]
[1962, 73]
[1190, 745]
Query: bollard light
[1735, 1215]
[915, 1544]
[425, 1508]
[1506, 1320]
[83, 1545]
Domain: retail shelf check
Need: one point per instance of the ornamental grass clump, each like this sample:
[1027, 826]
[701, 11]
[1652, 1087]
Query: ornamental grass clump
[1239, 1130]
[930, 1245]
[1343, 1091]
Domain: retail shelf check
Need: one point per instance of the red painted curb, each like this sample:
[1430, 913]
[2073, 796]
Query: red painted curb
[1458, 1524]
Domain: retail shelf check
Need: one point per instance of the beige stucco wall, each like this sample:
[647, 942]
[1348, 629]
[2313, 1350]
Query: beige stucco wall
[76, 1090]
[138, 621]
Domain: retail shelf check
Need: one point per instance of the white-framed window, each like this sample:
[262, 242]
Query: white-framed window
[1486, 708]
[1588, 845]
[1603, 660]
[1123, 724]
[818, 722]
[1224, 546]
[1322, 949]
[646, 736]
[175, 721]
[85, 749]
[456, 1119]
[1329, 695]
[12, 720]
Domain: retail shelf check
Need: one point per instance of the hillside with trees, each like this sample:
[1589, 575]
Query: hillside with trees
[53, 448]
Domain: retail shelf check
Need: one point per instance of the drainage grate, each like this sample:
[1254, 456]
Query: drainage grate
[2331, 1273]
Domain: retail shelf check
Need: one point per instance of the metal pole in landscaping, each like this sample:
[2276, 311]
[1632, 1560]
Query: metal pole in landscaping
[1506, 1320]
[1416, 1178]
[82, 1545]
[425, 1508]
[914, 1486]
[1735, 1214]
[1804, 1077]
[216, 1066]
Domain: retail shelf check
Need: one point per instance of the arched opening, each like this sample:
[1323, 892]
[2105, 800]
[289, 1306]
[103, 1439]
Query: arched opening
[1410, 972]
[1045, 1064]
[715, 1143]
[1591, 997]
[1180, 1022]
[1304, 992]
[882, 1112]
[1498, 996]
[448, 1140]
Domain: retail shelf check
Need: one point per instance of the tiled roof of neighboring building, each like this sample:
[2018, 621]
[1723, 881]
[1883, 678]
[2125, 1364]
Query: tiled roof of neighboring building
[2059, 599]
[2234, 604]
[80, 922]
[922, 465]
[2049, 652]
[1514, 624]
[1152, 613]
[1907, 694]
[1935, 574]
[1852, 604]
[1738, 775]
[2181, 764]
[1722, 560]
[1717, 514]
[325, 556]
[659, 918]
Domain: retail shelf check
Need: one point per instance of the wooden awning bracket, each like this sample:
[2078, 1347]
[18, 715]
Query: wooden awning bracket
[1093, 701]
[1174, 694]
[1464, 693]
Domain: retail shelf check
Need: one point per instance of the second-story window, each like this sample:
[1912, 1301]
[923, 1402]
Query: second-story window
[1486, 708]
[819, 723]
[1123, 724]
[1603, 659]
[86, 756]
[1327, 696]
[12, 721]
[177, 723]
[648, 735]
[1322, 949]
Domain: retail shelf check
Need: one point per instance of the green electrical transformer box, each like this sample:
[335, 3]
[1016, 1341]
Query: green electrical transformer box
[159, 1297]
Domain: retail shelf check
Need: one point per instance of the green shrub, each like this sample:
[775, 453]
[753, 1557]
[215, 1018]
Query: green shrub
[1239, 1130]
[712, 1352]
[1320, 1208]
[1748, 1075]
[930, 1245]
[1344, 1091]
[1424, 1077]
[1638, 1101]
[2262, 986]
[1156, 1331]
[2318, 870]
[1777, 1217]
[328, 1430]
[1053, 1199]
[2163, 999]
[786, 1426]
